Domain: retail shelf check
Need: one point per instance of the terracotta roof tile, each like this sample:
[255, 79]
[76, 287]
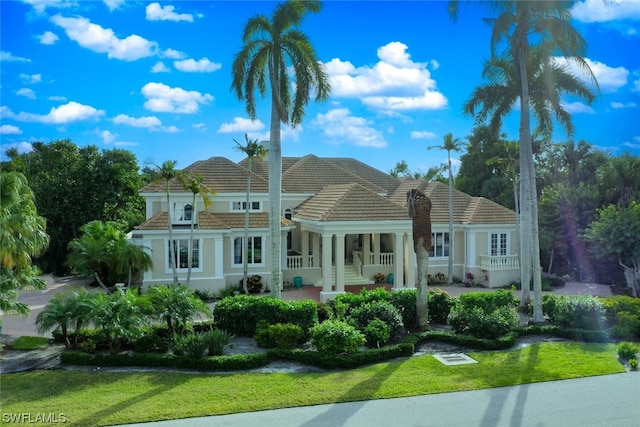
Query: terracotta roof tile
[215, 221]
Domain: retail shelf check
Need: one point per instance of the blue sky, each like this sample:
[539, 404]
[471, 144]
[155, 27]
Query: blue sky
[154, 78]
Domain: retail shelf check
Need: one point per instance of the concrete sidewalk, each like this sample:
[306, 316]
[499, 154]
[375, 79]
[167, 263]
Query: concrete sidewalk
[610, 400]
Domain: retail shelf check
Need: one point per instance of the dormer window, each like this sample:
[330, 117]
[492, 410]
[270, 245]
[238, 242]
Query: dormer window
[242, 206]
[182, 213]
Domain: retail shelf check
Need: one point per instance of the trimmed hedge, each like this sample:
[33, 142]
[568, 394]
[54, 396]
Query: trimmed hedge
[218, 363]
[240, 315]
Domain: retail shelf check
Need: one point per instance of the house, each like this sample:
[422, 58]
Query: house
[342, 223]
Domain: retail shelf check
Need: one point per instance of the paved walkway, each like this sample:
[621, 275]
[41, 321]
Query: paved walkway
[605, 401]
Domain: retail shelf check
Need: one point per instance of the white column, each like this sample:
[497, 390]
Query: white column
[471, 249]
[315, 245]
[327, 248]
[398, 261]
[305, 248]
[366, 249]
[218, 256]
[376, 248]
[339, 256]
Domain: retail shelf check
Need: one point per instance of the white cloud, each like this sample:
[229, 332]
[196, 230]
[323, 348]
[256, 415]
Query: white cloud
[9, 57]
[201, 66]
[155, 12]
[57, 98]
[241, 124]
[159, 67]
[620, 105]
[26, 92]
[422, 134]
[113, 4]
[170, 129]
[341, 127]
[609, 79]
[48, 38]
[396, 82]
[67, 113]
[103, 40]
[10, 130]
[172, 54]
[41, 5]
[140, 122]
[110, 138]
[603, 11]
[31, 78]
[577, 108]
[162, 98]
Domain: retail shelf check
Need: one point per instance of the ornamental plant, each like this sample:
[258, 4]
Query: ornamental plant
[336, 337]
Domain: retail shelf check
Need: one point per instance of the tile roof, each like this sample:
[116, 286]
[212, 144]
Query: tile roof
[219, 174]
[215, 221]
[349, 202]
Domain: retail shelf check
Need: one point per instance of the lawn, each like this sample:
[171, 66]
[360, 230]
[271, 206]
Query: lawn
[106, 398]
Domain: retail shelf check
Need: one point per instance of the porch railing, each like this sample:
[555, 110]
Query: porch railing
[499, 263]
[386, 258]
[294, 262]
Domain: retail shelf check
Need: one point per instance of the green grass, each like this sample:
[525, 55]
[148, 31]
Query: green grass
[30, 343]
[101, 398]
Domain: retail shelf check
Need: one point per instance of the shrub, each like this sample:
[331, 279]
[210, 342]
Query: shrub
[191, 345]
[240, 315]
[30, 343]
[627, 350]
[405, 302]
[633, 364]
[382, 310]
[623, 316]
[579, 311]
[488, 301]
[478, 323]
[377, 333]
[151, 343]
[440, 304]
[336, 337]
[176, 305]
[254, 284]
[280, 335]
[216, 340]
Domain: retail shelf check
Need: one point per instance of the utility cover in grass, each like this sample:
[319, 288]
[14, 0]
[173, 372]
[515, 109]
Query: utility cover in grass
[454, 359]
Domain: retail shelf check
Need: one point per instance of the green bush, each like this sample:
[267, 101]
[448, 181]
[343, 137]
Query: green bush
[405, 301]
[377, 333]
[216, 340]
[240, 315]
[627, 350]
[383, 310]
[440, 304]
[633, 364]
[336, 337]
[505, 341]
[480, 324]
[30, 343]
[579, 311]
[191, 345]
[280, 335]
[151, 343]
[487, 301]
[623, 316]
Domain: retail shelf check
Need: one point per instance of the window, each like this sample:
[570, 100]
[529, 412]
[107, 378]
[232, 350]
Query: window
[181, 252]
[439, 245]
[498, 244]
[242, 206]
[254, 250]
[182, 213]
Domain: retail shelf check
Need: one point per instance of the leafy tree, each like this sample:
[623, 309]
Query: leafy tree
[261, 63]
[176, 305]
[620, 180]
[449, 144]
[166, 173]
[22, 237]
[253, 150]
[64, 310]
[193, 183]
[534, 32]
[616, 233]
[74, 185]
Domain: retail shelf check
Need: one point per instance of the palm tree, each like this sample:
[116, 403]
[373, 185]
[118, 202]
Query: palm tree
[253, 150]
[65, 310]
[193, 183]
[450, 144]
[261, 63]
[127, 258]
[547, 22]
[89, 255]
[166, 173]
[22, 236]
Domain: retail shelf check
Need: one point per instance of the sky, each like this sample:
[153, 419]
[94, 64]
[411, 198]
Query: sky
[155, 78]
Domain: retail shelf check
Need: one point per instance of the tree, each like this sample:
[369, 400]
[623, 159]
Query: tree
[420, 213]
[521, 24]
[65, 310]
[616, 233]
[253, 150]
[268, 45]
[193, 183]
[22, 237]
[449, 144]
[129, 258]
[166, 173]
[175, 305]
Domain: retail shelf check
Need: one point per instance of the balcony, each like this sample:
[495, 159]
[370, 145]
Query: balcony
[499, 263]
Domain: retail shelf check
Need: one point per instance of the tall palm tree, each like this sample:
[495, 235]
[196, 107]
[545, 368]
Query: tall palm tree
[450, 144]
[521, 24]
[269, 45]
[193, 183]
[253, 150]
[166, 173]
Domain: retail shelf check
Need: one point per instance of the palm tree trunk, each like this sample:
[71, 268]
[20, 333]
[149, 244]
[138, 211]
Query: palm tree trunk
[275, 197]
[100, 282]
[450, 267]
[245, 243]
[422, 301]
